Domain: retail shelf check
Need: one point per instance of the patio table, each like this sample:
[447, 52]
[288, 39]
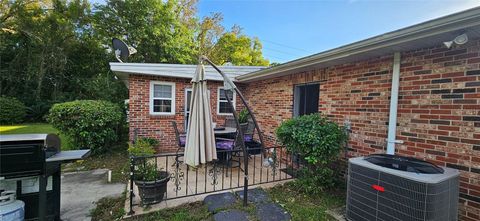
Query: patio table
[227, 130]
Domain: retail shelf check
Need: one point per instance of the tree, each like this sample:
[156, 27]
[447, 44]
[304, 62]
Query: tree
[238, 49]
[210, 29]
[36, 52]
[159, 30]
[59, 50]
[49, 53]
[228, 47]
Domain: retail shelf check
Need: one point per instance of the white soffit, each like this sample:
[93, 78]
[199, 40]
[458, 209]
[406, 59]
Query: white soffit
[122, 70]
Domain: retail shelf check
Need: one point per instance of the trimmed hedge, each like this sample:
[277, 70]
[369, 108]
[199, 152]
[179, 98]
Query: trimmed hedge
[12, 111]
[89, 123]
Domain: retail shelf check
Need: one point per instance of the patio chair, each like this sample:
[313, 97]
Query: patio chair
[229, 145]
[181, 138]
[249, 131]
[230, 122]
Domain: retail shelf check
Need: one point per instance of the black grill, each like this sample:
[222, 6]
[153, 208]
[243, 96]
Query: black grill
[36, 156]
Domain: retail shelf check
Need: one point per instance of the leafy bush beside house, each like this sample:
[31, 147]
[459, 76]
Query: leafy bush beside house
[89, 123]
[12, 111]
[319, 142]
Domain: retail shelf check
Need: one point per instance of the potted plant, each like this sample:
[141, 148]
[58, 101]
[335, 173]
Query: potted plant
[243, 119]
[150, 180]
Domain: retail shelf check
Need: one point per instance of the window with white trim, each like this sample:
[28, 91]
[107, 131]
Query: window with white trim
[223, 108]
[162, 98]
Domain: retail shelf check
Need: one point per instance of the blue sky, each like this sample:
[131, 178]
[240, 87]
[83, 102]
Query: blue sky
[293, 29]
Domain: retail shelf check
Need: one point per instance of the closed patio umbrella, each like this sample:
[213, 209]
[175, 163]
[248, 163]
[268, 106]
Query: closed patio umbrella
[200, 142]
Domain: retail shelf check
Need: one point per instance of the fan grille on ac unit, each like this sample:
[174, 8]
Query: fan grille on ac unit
[403, 199]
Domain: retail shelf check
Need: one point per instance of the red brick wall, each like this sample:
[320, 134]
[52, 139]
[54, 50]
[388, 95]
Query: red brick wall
[438, 115]
[349, 92]
[160, 127]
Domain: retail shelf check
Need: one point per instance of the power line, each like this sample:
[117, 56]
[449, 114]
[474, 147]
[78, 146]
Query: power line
[286, 46]
[280, 51]
[277, 57]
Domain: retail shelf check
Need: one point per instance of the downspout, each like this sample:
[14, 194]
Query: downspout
[392, 122]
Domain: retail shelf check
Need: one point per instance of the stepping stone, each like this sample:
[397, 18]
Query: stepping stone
[219, 201]
[231, 215]
[338, 213]
[256, 196]
[272, 212]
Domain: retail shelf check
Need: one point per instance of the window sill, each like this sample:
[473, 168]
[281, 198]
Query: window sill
[162, 114]
[224, 114]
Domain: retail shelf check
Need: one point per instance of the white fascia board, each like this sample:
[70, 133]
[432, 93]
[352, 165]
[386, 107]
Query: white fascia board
[178, 70]
[457, 21]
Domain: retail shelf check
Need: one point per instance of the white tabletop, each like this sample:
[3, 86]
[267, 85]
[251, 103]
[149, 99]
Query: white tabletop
[228, 130]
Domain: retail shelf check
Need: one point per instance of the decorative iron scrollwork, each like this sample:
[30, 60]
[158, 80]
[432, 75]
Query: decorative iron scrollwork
[274, 162]
[213, 173]
[178, 175]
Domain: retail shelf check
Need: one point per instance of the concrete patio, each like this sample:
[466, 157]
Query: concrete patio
[196, 184]
[91, 186]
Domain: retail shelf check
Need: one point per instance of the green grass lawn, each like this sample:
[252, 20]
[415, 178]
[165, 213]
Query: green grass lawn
[304, 206]
[308, 207]
[35, 128]
[115, 159]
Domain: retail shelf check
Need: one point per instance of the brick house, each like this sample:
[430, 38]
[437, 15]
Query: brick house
[403, 91]
[151, 116]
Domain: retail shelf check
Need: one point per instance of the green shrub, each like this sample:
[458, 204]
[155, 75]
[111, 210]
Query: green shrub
[89, 123]
[318, 142]
[144, 170]
[12, 111]
[142, 147]
[151, 141]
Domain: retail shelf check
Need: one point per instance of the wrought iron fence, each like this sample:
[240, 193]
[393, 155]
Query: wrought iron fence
[267, 165]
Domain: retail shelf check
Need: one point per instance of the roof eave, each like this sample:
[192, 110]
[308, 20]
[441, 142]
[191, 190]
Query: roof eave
[123, 70]
[444, 24]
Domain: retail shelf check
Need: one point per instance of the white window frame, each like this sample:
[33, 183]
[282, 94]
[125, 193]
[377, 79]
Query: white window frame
[152, 83]
[218, 101]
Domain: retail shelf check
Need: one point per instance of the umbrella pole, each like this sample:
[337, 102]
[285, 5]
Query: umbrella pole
[245, 152]
[260, 134]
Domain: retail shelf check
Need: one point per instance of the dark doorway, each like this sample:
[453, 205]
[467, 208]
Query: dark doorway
[305, 99]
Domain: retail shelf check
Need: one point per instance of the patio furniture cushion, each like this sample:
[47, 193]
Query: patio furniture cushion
[248, 137]
[230, 122]
[225, 144]
[182, 140]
